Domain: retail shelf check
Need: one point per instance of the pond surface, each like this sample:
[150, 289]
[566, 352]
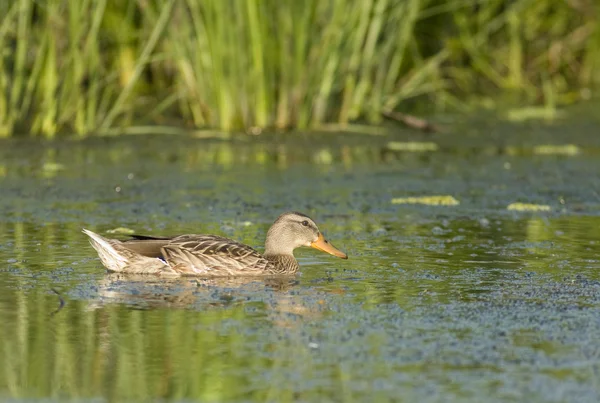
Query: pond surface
[465, 303]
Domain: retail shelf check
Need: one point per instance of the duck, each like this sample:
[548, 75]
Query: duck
[214, 255]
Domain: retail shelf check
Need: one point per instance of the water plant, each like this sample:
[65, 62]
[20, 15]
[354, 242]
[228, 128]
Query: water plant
[95, 66]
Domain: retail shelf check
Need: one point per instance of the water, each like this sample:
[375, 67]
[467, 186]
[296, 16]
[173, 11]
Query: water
[436, 303]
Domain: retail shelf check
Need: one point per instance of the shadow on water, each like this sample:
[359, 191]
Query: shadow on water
[469, 302]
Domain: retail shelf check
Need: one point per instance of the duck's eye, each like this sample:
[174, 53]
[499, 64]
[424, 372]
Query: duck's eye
[305, 223]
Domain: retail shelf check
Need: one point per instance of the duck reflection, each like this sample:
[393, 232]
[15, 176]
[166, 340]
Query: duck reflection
[150, 292]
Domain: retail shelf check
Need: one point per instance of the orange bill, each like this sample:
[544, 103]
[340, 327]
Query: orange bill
[323, 245]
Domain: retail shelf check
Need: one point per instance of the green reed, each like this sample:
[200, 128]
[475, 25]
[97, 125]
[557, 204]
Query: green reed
[95, 66]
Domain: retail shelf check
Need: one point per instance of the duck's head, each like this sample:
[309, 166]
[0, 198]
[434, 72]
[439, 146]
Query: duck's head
[293, 230]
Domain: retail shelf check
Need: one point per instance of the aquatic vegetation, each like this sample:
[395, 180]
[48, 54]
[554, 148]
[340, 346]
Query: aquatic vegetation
[97, 66]
[528, 207]
[557, 149]
[445, 200]
[412, 146]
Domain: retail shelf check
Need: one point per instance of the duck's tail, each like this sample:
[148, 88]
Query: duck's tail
[118, 257]
[114, 256]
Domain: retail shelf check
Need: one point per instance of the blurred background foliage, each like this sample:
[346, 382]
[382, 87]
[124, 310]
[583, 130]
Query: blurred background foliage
[99, 66]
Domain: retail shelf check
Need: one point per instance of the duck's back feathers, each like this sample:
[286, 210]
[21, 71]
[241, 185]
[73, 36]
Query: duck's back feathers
[212, 255]
[192, 255]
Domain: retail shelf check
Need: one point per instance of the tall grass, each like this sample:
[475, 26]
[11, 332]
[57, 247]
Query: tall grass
[95, 66]
[291, 64]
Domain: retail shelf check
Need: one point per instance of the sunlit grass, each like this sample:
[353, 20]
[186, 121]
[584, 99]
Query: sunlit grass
[95, 66]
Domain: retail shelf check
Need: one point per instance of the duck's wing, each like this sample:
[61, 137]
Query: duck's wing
[212, 255]
[134, 237]
[146, 246]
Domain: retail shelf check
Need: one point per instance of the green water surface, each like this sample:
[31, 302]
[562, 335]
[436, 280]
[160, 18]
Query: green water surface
[464, 303]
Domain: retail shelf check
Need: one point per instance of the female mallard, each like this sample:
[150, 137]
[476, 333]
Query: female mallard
[212, 255]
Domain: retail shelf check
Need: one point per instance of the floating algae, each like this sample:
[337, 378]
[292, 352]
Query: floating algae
[528, 207]
[554, 149]
[412, 146]
[427, 200]
[121, 230]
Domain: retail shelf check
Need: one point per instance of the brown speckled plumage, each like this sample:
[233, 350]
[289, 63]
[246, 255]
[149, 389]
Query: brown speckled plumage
[213, 255]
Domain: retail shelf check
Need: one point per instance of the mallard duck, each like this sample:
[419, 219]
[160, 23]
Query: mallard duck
[213, 255]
